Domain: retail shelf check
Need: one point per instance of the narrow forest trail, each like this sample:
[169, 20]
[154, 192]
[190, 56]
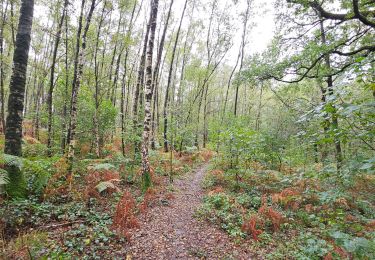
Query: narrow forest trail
[172, 232]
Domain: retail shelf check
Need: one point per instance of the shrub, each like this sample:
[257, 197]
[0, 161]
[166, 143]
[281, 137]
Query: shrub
[34, 150]
[249, 226]
[124, 218]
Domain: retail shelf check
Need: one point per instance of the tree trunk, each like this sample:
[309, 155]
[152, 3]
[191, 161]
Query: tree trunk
[155, 80]
[65, 107]
[123, 84]
[52, 81]
[2, 94]
[258, 121]
[78, 70]
[13, 132]
[166, 99]
[139, 85]
[148, 97]
[243, 44]
[97, 89]
[205, 128]
[334, 116]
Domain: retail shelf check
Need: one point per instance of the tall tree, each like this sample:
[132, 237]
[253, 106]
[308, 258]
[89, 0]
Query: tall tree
[78, 70]
[167, 90]
[52, 76]
[155, 79]
[13, 131]
[123, 84]
[2, 77]
[138, 88]
[242, 51]
[148, 97]
[330, 92]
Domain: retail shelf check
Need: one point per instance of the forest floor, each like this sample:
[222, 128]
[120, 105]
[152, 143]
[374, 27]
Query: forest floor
[173, 232]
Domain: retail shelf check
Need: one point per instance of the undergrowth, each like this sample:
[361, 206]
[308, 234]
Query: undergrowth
[89, 214]
[293, 214]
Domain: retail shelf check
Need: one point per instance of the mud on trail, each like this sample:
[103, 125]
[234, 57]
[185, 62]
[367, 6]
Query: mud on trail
[172, 231]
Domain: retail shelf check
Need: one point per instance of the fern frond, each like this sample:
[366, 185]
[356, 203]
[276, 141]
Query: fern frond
[4, 179]
[11, 161]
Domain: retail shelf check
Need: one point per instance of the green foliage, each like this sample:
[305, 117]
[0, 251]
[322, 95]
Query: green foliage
[4, 179]
[34, 150]
[27, 176]
[37, 174]
[218, 209]
[360, 247]
[11, 161]
[86, 110]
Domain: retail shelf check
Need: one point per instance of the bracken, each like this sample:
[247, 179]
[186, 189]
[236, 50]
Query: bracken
[124, 218]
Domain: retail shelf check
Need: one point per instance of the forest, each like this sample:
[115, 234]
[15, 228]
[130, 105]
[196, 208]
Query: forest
[187, 129]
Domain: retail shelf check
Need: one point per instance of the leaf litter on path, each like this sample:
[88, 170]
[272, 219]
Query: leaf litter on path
[170, 231]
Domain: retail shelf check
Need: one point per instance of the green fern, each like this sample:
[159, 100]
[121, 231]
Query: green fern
[4, 179]
[11, 161]
[37, 174]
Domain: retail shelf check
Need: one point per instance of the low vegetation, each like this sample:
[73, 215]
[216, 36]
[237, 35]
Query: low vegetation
[290, 211]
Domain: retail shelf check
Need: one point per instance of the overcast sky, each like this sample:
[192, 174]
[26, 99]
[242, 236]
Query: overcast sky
[260, 30]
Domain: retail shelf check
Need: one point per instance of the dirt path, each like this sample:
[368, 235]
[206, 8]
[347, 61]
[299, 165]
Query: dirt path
[171, 231]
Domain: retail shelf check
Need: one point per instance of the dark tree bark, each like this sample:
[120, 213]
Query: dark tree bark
[52, 78]
[148, 97]
[13, 132]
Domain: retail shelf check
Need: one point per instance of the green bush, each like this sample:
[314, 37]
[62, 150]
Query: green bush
[34, 150]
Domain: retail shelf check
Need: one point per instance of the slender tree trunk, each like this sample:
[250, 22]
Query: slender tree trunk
[13, 132]
[97, 89]
[140, 81]
[113, 57]
[326, 124]
[39, 98]
[2, 94]
[257, 121]
[243, 44]
[78, 70]
[148, 97]
[196, 142]
[65, 107]
[52, 78]
[334, 116]
[155, 80]
[11, 22]
[166, 99]
[123, 84]
[205, 115]
[115, 79]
